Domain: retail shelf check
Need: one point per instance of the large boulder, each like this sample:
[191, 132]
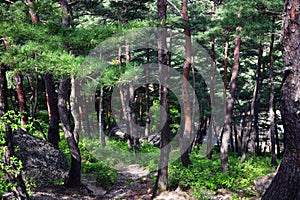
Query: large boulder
[41, 161]
[262, 183]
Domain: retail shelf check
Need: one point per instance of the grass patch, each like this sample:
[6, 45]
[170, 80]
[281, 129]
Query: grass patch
[204, 175]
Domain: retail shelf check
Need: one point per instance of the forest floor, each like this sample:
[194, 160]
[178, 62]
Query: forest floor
[133, 182]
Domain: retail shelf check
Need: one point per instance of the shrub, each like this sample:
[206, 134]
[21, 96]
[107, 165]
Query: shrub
[204, 175]
[106, 177]
[14, 167]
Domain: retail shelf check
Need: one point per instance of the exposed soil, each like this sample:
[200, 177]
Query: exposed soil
[133, 183]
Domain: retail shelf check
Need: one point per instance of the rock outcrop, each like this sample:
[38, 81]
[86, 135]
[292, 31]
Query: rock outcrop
[42, 163]
[262, 183]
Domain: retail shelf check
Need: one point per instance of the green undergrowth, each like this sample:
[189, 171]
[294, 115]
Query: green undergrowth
[13, 166]
[105, 176]
[116, 154]
[204, 176]
[103, 162]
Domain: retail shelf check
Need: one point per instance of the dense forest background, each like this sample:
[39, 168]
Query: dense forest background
[232, 135]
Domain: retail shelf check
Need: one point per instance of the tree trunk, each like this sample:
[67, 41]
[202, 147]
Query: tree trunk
[186, 136]
[31, 93]
[51, 97]
[63, 95]
[140, 95]
[211, 131]
[230, 102]
[66, 9]
[32, 12]
[13, 175]
[231, 144]
[243, 140]
[271, 102]
[236, 139]
[122, 95]
[124, 7]
[21, 99]
[34, 103]
[133, 136]
[161, 183]
[286, 183]
[75, 105]
[63, 98]
[3, 91]
[109, 111]
[36, 96]
[193, 113]
[254, 134]
[100, 118]
[147, 96]
[277, 137]
[12, 99]
[225, 74]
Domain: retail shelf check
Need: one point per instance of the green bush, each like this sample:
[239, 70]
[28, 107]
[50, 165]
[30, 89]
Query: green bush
[5, 186]
[106, 177]
[13, 120]
[204, 175]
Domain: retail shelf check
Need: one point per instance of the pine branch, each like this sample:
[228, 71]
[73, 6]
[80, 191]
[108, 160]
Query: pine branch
[174, 6]
[74, 2]
[9, 1]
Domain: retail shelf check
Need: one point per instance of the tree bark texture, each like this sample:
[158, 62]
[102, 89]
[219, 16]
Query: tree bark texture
[133, 136]
[101, 120]
[75, 105]
[243, 138]
[187, 133]
[63, 96]
[271, 103]
[161, 183]
[254, 131]
[211, 89]
[286, 183]
[66, 9]
[21, 99]
[32, 12]
[230, 103]
[147, 96]
[52, 103]
[225, 73]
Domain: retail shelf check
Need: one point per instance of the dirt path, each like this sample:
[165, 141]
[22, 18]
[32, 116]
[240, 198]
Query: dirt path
[133, 183]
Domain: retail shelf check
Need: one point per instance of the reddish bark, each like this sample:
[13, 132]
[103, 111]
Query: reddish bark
[21, 99]
[186, 136]
[32, 12]
[230, 103]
